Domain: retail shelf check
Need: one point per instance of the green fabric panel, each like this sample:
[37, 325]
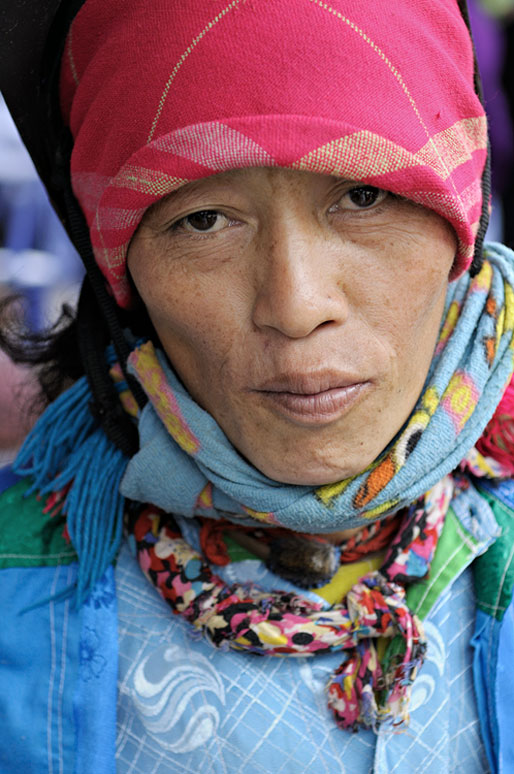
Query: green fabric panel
[494, 570]
[236, 552]
[452, 554]
[29, 537]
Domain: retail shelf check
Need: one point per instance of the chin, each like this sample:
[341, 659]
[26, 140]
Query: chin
[310, 475]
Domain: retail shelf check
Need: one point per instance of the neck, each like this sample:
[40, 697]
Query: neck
[338, 537]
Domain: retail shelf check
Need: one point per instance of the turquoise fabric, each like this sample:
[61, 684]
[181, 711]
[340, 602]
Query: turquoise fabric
[58, 671]
[39, 663]
[95, 692]
[225, 711]
[493, 643]
[505, 693]
[485, 645]
[217, 686]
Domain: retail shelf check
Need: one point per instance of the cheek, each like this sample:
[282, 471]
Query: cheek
[197, 322]
[191, 327]
[423, 255]
[422, 294]
[404, 304]
[401, 313]
[414, 312]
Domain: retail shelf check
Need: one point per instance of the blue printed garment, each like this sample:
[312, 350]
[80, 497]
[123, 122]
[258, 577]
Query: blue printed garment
[58, 669]
[184, 706]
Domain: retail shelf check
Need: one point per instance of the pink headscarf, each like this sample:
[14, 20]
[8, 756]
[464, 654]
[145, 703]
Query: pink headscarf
[159, 94]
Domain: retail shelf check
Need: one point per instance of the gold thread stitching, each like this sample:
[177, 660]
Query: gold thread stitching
[183, 58]
[71, 59]
[392, 68]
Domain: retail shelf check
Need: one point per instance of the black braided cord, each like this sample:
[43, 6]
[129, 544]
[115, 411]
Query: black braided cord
[476, 263]
[98, 317]
[97, 325]
[105, 405]
[79, 233]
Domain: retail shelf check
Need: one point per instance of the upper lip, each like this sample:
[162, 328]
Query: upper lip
[310, 383]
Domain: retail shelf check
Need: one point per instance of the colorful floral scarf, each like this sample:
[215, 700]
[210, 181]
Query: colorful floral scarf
[280, 624]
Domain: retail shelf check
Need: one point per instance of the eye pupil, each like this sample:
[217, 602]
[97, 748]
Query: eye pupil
[364, 196]
[202, 220]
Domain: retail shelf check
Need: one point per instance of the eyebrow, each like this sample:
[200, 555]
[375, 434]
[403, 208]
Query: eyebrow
[160, 205]
[189, 189]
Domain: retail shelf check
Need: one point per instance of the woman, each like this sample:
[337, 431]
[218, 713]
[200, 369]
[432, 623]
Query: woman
[283, 401]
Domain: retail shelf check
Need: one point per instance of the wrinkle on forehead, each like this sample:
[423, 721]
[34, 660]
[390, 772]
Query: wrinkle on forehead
[275, 177]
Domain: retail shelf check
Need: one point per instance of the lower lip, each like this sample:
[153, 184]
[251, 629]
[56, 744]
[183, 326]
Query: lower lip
[319, 408]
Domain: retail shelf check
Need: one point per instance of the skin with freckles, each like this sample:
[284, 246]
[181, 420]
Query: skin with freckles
[300, 310]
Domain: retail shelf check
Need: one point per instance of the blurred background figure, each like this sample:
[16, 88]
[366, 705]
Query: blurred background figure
[37, 258]
[37, 262]
[491, 22]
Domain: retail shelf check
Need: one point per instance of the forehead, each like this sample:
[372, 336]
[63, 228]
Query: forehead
[157, 98]
[247, 182]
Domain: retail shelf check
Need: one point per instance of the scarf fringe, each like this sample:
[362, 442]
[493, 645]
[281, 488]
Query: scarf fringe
[67, 448]
[362, 691]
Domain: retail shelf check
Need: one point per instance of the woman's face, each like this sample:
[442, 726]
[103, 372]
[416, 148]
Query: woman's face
[300, 310]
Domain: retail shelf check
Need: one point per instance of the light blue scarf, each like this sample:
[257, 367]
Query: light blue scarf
[187, 466]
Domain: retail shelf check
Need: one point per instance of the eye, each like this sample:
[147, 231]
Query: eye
[202, 222]
[361, 197]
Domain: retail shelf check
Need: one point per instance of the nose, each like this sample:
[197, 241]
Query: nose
[298, 287]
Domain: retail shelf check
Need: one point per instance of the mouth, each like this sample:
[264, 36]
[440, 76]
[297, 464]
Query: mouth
[315, 399]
